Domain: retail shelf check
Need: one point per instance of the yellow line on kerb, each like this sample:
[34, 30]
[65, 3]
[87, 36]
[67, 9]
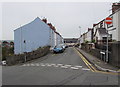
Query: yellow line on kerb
[112, 73]
[90, 65]
[86, 62]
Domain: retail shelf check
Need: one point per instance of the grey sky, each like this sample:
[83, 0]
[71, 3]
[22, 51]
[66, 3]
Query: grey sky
[66, 16]
[0, 22]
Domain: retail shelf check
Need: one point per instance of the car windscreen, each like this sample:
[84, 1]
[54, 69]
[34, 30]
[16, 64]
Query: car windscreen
[58, 46]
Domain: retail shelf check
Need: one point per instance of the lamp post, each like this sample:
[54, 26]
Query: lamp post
[80, 30]
[80, 36]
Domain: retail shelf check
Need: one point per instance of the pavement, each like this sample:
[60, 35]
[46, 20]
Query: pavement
[67, 68]
[99, 64]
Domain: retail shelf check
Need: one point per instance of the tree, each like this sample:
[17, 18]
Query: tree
[11, 43]
[4, 53]
[5, 43]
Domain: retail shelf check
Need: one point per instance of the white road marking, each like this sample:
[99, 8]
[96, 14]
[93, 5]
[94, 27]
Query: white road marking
[64, 67]
[78, 66]
[48, 64]
[24, 65]
[59, 64]
[85, 69]
[53, 64]
[32, 64]
[68, 65]
[27, 64]
[42, 64]
[56, 66]
[74, 68]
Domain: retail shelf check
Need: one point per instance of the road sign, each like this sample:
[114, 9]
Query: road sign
[102, 52]
[108, 20]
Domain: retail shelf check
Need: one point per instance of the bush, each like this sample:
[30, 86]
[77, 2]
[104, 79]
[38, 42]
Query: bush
[86, 41]
[7, 51]
[93, 41]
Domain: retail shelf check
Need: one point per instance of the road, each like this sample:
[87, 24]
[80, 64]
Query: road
[56, 69]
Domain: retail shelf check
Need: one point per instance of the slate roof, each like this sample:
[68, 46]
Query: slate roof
[102, 31]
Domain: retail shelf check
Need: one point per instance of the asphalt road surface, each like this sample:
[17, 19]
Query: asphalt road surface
[56, 69]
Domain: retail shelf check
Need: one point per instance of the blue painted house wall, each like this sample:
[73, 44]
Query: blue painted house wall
[31, 36]
[34, 35]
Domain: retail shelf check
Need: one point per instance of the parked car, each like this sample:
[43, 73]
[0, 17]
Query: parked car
[70, 45]
[63, 46]
[66, 46]
[58, 49]
[51, 49]
[3, 62]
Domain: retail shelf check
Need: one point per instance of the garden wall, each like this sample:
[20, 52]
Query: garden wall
[21, 58]
[114, 52]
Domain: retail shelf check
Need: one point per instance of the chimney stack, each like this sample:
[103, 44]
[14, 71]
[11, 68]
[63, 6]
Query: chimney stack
[115, 7]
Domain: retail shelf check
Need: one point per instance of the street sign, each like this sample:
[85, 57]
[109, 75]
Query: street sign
[108, 20]
[102, 52]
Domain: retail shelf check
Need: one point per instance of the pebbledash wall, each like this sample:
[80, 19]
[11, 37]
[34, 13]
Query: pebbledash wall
[32, 36]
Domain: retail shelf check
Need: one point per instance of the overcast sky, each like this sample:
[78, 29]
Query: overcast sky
[65, 16]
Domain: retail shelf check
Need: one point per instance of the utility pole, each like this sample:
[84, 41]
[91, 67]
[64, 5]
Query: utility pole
[108, 21]
[80, 36]
[107, 48]
[80, 30]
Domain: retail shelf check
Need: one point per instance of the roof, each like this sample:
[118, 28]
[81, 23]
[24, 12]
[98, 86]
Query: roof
[39, 20]
[36, 19]
[70, 38]
[102, 31]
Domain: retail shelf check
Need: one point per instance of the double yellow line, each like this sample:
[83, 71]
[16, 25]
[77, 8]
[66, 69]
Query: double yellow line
[91, 67]
[86, 62]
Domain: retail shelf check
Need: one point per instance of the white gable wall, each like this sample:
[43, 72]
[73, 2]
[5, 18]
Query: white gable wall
[119, 25]
[89, 36]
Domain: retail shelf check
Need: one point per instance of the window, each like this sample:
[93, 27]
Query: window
[110, 35]
[104, 39]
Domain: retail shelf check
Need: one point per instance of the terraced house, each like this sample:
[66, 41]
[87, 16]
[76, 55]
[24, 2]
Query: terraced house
[113, 29]
[35, 34]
